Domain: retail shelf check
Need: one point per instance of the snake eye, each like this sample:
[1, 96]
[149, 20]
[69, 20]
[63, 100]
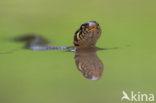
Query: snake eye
[81, 28]
[97, 24]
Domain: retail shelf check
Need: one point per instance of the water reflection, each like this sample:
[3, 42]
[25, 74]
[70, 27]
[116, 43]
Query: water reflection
[88, 63]
[86, 59]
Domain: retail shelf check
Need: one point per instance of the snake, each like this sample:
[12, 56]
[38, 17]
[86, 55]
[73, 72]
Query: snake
[86, 36]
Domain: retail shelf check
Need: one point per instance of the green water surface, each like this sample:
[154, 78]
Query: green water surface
[51, 76]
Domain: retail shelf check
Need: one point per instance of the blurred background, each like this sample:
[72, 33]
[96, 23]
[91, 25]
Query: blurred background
[51, 76]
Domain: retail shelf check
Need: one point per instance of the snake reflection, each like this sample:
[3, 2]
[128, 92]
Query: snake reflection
[88, 63]
[86, 59]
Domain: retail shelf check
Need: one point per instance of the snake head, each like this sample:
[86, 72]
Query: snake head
[87, 34]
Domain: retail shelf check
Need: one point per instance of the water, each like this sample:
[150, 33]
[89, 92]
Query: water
[28, 76]
[52, 76]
